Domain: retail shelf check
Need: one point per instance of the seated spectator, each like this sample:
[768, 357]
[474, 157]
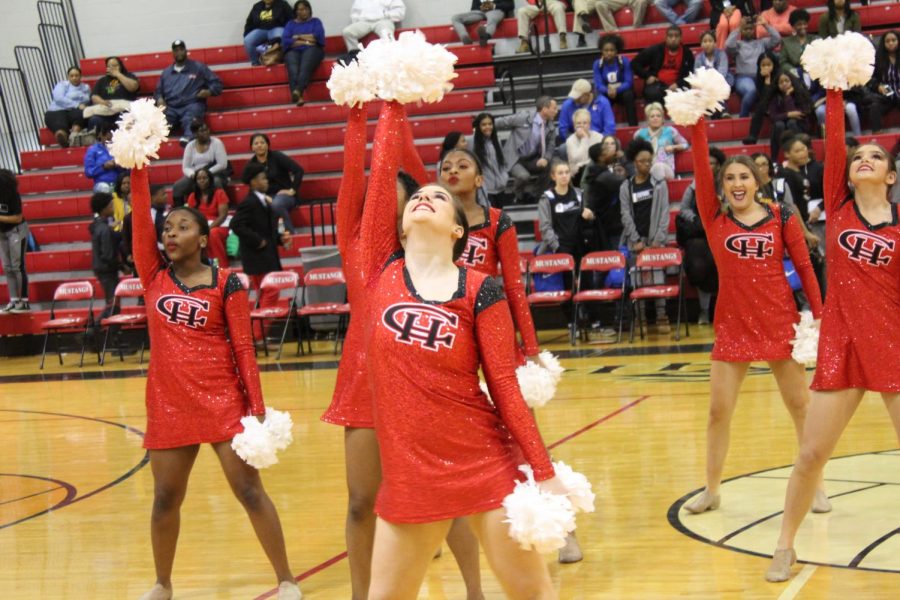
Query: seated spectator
[265, 23]
[367, 16]
[64, 115]
[778, 16]
[711, 57]
[452, 141]
[99, 164]
[805, 177]
[644, 205]
[853, 98]
[582, 96]
[183, 89]
[104, 249]
[213, 203]
[579, 142]
[13, 241]
[121, 200]
[765, 81]
[113, 93]
[613, 77]
[790, 110]
[699, 265]
[528, 12]
[664, 66]
[665, 141]
[792, 46]
[202, 151]
[606, 8]
[256, 225]
[530, 145]
[485, 145]
[304, 48]
[771, 183]
[492, 13]
[283, 175]
[746, 51]
[839, 19]
[885, 84]
[691, 11]
[726, 17]
[600, 184]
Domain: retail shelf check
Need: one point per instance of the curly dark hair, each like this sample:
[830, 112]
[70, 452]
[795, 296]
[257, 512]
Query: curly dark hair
[636, 146]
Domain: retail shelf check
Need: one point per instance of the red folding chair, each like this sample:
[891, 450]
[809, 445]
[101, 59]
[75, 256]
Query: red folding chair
[280, 281]
[323, 278]
[135, 319]
[648, 262]
[550, 264]
[71, 291]
[599, 262]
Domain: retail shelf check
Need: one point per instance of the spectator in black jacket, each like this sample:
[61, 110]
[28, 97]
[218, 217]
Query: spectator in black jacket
[111, 94]
[885, 82]
[105, 255]
[492, 12]
[664, 66]
[265, 23]
[600, 185]
[283, 176]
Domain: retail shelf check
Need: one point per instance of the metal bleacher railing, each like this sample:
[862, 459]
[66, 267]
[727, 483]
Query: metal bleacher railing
[25, 89]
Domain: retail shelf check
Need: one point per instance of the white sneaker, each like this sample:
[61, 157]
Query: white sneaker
[21, 306]
[704, 318]
[8, 308]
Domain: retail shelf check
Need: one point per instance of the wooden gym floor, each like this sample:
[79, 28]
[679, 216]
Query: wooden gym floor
[75, 490]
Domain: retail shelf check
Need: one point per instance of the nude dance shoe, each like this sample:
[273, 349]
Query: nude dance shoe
[158, 592]
[703, 502]
[780, 569]
[288, 590]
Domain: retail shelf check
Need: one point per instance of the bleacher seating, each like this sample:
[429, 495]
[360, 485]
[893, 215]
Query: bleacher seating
[56, 193]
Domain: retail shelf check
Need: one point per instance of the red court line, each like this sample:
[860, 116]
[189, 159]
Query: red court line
[575, 434]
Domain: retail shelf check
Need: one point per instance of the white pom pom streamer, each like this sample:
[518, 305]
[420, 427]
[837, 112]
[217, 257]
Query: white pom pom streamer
[259, 443]
[685, 107]
[841, 62]
[350, 85]
[713, 88]
[537, 384]
[551, 363]
[408, 69]
[806, 340]
[580, 494]
[141, 130]
[538, 519]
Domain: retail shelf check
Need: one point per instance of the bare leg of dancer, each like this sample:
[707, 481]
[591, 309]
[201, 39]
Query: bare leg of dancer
[464, 546]
[401, 556]
[363, 479]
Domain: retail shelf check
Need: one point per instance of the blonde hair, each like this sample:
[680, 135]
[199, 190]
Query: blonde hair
[581, 112]
[652, 107]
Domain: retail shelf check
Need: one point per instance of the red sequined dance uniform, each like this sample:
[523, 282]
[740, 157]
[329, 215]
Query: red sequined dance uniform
[446, 450]
[351, 403]
[757, 308]
[494, 243]
[199, 384]
[859, 343]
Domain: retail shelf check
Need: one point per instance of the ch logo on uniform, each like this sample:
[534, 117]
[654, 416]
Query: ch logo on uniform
[420, 324]
[474, 254]
[866, 247]
[757, 246]
[183, 310]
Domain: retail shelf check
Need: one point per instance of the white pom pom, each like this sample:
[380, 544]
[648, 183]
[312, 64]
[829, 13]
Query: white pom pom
[685, 106]
[538, 519]
[713, 88]
[259, 443]
[141, 130]
[537, 384]
[840, 62]
[408, 69]
[806, 340]
[350, 85]
[580, 494]
[549, 361]
[484, 388]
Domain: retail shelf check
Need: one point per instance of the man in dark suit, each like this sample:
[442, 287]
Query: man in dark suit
[257, 228]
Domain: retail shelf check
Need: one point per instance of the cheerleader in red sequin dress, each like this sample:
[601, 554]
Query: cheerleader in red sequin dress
[859, 344]
[198, 311]
[446, 451]
[748, 240]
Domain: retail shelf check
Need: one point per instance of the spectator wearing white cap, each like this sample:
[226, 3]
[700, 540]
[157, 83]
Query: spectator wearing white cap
[582, 96]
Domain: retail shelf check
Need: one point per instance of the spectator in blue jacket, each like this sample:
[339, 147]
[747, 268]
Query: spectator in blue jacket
[613, 78]
[69, 99]
[303, 41]
[265, 23]
[183, 89]
[581, 96]
[99, 164]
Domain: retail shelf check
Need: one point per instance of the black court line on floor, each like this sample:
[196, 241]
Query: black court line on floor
[325, 365]
[673, 516]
